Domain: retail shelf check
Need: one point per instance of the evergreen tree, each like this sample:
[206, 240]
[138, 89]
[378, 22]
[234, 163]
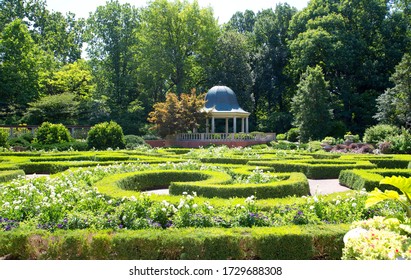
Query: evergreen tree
[310, 105]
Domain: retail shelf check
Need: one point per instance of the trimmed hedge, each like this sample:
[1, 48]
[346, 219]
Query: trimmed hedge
[293, 184]
[282, 243]
[315, 169]
[205, 183]
[9, 175]
[370, 179]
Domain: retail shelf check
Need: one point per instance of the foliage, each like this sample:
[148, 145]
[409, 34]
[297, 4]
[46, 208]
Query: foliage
[133, 141]
[178, 115]
[402, 184]
[379, 238]
[106, 135]
[59, 108]
[21, 65]
[49, 133]
[293, 135]
[4, 135]
[310, 104]
[399, 144]
[379, 133]
[394, 106]
[176, 43]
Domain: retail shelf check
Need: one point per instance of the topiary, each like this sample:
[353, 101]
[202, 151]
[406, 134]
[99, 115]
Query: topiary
[380, 133]
[106, 135]
[49, 133]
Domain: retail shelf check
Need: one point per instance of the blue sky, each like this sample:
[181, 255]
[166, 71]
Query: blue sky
[223, 9]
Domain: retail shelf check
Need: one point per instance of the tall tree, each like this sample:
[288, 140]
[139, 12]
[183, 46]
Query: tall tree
[394, 106]
[351, 41]
[21, 62]
[311, 104]
[111, 37]
[176, 43]
[269, 59]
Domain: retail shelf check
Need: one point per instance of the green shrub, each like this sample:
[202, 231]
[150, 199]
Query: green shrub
[22, 140]
[293, 134]
[106, 135]
[133, 141]
[314, 146]
[400, 144]
[285, 243]
[9, 175]
[49, 133]
[380, 133]
[281, 136]
[66, 146]
[315, 169]
[329, 140]
[4, 135]
[370, 179]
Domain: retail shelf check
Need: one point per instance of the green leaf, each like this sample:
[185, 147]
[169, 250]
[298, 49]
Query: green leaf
[401, 183]
[377, 196]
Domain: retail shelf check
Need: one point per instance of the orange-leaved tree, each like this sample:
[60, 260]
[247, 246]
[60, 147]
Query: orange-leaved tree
[178, 114]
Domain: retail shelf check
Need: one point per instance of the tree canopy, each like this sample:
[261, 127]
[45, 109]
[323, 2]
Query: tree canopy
[120, 61]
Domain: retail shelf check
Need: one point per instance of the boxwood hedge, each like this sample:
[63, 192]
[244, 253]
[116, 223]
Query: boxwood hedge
[283, 243]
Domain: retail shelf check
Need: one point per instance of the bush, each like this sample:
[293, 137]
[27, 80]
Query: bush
[400, 144]
[329, 140]
[23, 140]
[49, 133]
[293, 135]
[314, 146]
[380, 133]
[133, 141]
[3, 138]
[281, 137]
[106, 135]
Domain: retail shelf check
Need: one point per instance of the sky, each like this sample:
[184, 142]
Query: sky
[223, 9]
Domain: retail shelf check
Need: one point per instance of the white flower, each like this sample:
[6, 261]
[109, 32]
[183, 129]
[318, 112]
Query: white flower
[6, 204]
[16, 208]
[164, 209]
[195, 205]
[184, 193]
[312, 207]
[210, 207]
[315, 198]
[354, 204]
[110, 201]
[337, 202]
[354, 233]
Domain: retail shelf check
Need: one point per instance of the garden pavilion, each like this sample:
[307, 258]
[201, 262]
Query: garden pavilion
[221, 103]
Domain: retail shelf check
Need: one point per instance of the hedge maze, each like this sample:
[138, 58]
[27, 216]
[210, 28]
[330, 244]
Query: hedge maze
[222, 203]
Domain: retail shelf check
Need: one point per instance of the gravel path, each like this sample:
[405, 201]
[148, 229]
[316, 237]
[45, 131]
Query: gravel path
[326, 186]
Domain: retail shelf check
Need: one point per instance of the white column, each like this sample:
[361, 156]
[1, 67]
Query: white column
[226, 125]
[234, 125]
[246, 125]
[212, 125]
[242, 125]
[207, 126]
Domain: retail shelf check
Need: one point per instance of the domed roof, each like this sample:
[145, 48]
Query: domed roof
[222, 98]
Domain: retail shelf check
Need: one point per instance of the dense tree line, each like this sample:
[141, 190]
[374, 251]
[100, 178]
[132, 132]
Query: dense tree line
[334, 60]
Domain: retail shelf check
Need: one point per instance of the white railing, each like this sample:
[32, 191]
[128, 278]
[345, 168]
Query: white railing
[216, 137]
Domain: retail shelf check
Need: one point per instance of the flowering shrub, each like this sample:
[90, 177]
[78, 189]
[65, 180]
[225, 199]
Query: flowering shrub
[381, 239]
